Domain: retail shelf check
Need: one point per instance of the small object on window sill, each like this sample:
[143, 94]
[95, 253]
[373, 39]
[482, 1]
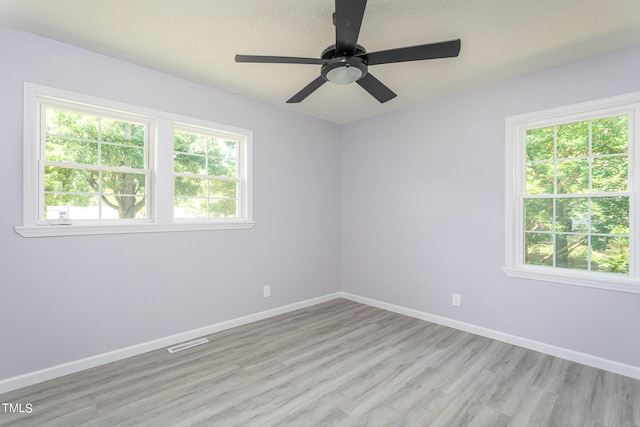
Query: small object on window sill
[63, 219]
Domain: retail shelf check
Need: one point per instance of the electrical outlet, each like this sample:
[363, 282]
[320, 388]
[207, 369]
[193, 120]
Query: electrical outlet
[456, 300]
[266, 291]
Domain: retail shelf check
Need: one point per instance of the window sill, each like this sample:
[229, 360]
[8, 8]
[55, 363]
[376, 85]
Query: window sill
[93, 229]
[593, 280]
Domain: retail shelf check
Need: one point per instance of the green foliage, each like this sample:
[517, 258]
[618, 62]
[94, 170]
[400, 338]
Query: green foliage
[610, 173]
[568, 220]
[82, 151]
[572, 176]
[610, 254]
[87, 144]
[610, 215]
[540, 144]
[610, 135]
[572, 140]
[206, 182]
[540, 178]
[538, 214]
[539, 249]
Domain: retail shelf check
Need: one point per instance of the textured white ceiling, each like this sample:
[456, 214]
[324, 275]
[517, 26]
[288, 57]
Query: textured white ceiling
[198, 39]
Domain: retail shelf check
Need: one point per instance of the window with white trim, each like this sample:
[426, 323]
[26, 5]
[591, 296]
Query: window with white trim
[95, 166]
[571, 201]
[206, 175]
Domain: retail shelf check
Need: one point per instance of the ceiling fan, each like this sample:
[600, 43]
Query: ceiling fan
[347, 62]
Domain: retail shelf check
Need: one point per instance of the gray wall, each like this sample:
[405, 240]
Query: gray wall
[66, 298]
[423, 213]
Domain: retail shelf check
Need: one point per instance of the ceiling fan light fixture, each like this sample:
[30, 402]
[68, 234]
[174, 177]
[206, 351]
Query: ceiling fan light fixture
[344, 75]
[344, 70]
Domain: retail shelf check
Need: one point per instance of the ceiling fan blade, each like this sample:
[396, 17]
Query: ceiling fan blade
[375, 87]
[307, 90]
[446, 49]
[279, 59]
[348, 19]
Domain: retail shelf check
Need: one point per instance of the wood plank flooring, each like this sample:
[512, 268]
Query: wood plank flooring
[338, 363]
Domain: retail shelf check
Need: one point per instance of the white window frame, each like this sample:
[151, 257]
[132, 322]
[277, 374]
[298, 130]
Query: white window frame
[160, 165]
[148, 123]
[515, 158]
[242, 202]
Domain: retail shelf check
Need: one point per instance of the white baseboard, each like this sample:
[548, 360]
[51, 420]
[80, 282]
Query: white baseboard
[574, 356]
[31, 378]
[36, 377]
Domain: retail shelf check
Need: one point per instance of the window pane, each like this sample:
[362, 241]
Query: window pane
[540, 144]
[71, 150]
[538, 214]
[576, 194]
[610, 215]
[610, 173]
[115, 207]
[123, 203]
[540, 178]
[211, 156]
[71, 206]
[128, 183]
[610, 135]
[93, 194]
[222, 167]
[122, 132]
[222, 189]
[572, 214]
[70, 180]
[223, 209]
[64, 123]
[190, 187]
[190, 163]
[187, 142]
[117, 155]
[573, 176]
[74, 192]
[222, 148]
[572, 140]
[189, 208]
[538, 249]
[572, 251]
[610, 254]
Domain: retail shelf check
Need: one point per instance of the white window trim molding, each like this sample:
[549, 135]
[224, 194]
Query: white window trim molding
[514, 267]
[80, 230]
[161, 147]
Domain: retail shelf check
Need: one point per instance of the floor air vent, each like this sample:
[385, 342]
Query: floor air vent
[187, 345]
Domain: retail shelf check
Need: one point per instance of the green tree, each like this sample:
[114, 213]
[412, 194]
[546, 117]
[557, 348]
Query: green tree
[82, 145]
[570, 169]
[82, 151]
[206, 179]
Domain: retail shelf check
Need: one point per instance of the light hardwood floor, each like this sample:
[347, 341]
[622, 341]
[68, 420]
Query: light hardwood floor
[338, 363]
